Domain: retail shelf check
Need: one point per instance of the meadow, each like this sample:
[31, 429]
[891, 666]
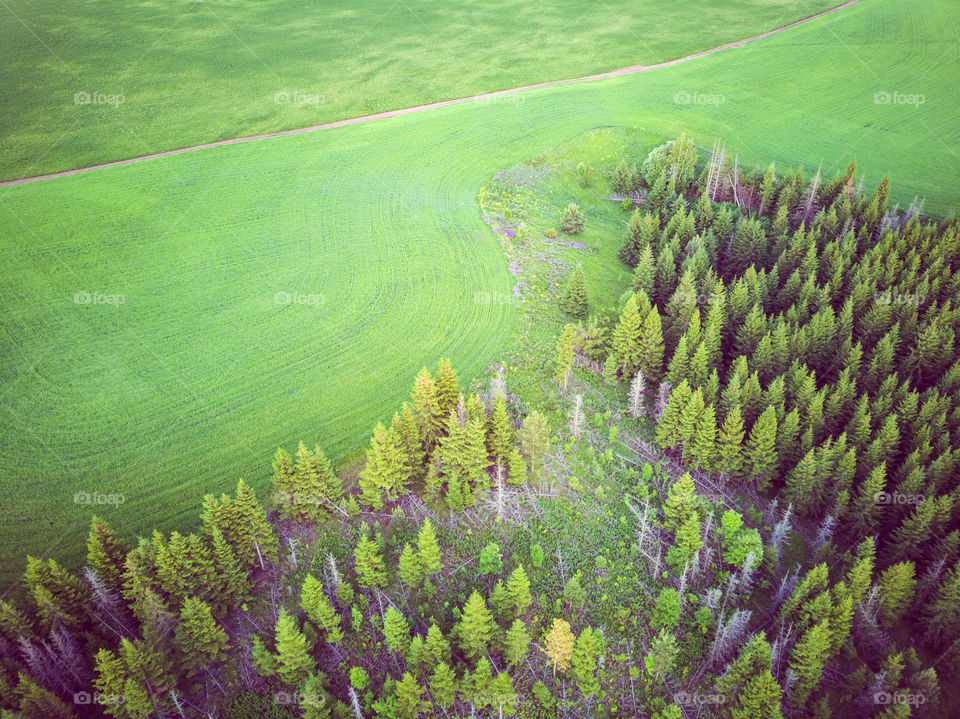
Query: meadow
[202, 372]
[157, 76]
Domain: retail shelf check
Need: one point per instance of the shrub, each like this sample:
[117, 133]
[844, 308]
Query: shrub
[626, 205]
[571, 220]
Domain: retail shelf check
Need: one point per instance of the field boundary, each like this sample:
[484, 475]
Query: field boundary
[631, 70]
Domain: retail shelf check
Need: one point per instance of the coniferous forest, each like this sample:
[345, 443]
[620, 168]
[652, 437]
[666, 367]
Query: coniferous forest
[737, 496]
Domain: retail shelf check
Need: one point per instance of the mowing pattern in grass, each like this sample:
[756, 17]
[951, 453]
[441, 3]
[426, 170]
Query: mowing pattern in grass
[198, 376]
[192, 72]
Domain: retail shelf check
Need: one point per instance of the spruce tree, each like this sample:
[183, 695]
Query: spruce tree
[668, 428]
[730, 444]
[443, 685]
[500, 431]
[201, 642]
[476, 627]
[369, 564]
[574, 301]
[447, 388]
[626, 336]
[518, 586]
[397, 631]
[60, 597]
[427, 408]
[294, 663]
[650, 347]
[897, 585]
[386, 472]
[586, 651]
[428, 551]
[106, 554]
[644, 272]
[438, 648]
[517, 642]
[534, 438]
[807, 660]
[760, 451]
[316, 605]
[409, 697]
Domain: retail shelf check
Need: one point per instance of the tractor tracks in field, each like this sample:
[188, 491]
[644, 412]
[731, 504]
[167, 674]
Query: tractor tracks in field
[489, 96]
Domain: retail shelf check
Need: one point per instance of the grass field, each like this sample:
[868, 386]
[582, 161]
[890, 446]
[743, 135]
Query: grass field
[193, 72]
[199, 375]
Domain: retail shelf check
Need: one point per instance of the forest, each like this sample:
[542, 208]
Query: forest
[735, 497]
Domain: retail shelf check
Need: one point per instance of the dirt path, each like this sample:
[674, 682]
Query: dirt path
[420, 108]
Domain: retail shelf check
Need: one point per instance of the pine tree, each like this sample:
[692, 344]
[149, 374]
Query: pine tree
[897, 586]
[574, 301]
[586, 651]
[518, 586]
[385, 472]
[476, 627]
[369, 564]
[443, 685]
[409, 696]
[428, 551]
[558, 644]
[807, 661]
[760, 452]
[294, 663]
[517, 642]
[397, 631]
[201, 642]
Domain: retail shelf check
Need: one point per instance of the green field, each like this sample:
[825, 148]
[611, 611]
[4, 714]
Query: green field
[198, 377]
[194, 72]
